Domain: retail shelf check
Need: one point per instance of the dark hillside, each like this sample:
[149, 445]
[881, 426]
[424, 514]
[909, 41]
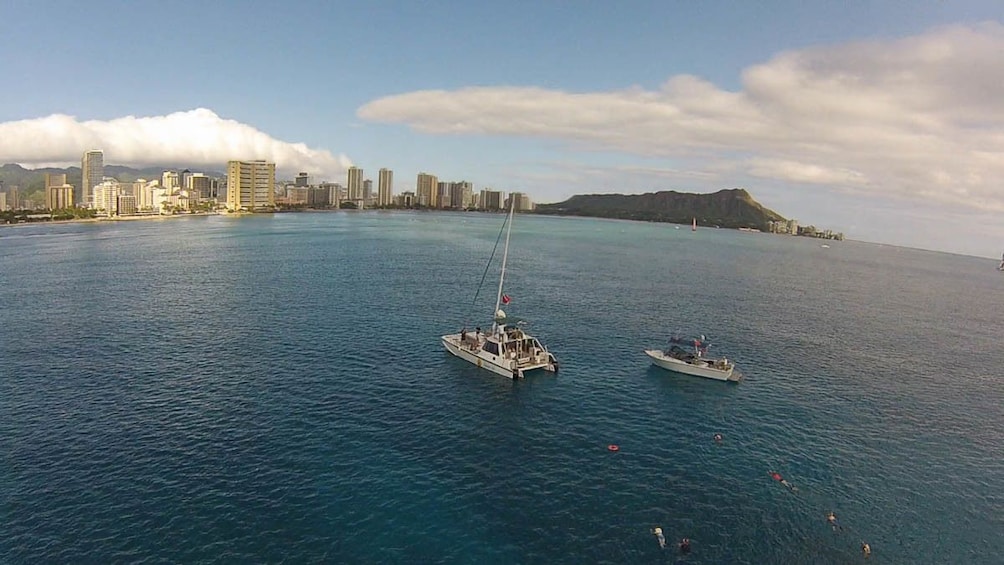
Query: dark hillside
[732, 208]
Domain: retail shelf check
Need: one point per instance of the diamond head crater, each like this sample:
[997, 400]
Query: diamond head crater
[730, 208]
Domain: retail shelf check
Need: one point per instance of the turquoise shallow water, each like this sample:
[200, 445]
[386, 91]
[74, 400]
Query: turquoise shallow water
[272, 389]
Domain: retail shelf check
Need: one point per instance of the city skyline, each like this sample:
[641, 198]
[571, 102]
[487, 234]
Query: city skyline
[880, 122]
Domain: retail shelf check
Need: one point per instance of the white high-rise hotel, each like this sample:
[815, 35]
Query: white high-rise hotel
[385, 188]
[92, 172]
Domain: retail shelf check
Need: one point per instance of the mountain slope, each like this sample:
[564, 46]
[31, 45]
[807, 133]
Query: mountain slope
[731, 208]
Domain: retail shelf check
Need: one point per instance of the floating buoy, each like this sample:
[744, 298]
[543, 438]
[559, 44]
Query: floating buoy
[613, 447]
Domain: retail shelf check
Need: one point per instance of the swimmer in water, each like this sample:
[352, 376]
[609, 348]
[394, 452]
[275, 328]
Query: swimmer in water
[832, 519]
[660, 537]
[718, 438]
[866, 549]
[777, 477]
[685, 545]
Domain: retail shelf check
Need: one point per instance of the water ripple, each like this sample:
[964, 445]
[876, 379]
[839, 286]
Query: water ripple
[272, 389]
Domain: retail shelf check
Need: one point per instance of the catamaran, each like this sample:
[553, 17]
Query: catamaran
[506, 349]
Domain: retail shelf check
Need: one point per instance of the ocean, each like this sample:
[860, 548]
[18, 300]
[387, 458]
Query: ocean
[272, 388]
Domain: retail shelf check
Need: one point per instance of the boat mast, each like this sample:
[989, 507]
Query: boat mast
[505, 255]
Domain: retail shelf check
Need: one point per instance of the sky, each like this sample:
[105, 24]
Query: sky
[880, 119]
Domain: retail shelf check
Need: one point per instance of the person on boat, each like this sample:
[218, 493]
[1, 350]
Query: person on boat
[658, 535]
[685, 545]
[463, 335]
[866, 549]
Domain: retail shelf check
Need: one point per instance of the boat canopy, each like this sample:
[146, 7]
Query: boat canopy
[691, 341]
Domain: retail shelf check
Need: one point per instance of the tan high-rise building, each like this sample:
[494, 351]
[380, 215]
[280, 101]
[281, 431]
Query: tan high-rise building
[58, 194]
[354, 184]
[92, 172]
[426, 190]
[54, 179]
[385, 188]
[250, 185]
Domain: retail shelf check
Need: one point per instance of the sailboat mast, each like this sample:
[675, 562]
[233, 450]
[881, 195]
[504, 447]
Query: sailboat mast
[505, 255]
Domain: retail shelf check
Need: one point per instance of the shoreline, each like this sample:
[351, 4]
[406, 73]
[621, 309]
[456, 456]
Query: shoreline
[111, 219]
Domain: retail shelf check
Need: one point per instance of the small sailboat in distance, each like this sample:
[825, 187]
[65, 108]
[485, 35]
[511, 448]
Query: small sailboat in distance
[1001, 266]
[693, 225]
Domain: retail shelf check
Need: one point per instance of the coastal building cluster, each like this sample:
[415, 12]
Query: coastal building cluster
[791, 227]
[249, 186]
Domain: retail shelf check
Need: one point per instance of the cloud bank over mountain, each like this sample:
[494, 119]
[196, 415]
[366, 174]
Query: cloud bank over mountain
[919, 118]
[195, 137]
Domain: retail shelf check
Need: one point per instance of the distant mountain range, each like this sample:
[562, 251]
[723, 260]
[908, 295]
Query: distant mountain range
[730, 208]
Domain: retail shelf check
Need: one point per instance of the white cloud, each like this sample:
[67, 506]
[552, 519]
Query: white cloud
[918, 118]
[196, 137]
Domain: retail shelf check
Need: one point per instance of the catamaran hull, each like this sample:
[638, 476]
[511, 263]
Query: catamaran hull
[498, 365]
[660, 359]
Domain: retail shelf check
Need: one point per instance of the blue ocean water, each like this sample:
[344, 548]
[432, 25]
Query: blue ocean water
[272, 389]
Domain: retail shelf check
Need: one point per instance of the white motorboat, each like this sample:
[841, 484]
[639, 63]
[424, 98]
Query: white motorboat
[506, 349]
[695, 362]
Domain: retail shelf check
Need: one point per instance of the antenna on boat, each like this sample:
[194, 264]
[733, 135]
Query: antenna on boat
[505, 255]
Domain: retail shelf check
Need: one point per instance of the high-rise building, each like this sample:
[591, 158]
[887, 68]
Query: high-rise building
[426, 188]
[13, 198]
[318, 196]
[522, 201]
[127, 205]
[54, 179]
[92, 170]
[169, 180]
[106, 197]
[183, 177]
[442, 195]
[367, 191]
[460, 194]
[250, 185]
[355, 184]
[302, 180]
[199, 186]
[58, 194]
[385, 188]
[491, 199]
[334, 191]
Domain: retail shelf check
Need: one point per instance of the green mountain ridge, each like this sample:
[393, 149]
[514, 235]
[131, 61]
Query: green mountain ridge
[728, 208]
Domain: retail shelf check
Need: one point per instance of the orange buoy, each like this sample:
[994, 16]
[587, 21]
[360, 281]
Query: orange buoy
[613, 447]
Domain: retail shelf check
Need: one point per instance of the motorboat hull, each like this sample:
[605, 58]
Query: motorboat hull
[697, 368]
